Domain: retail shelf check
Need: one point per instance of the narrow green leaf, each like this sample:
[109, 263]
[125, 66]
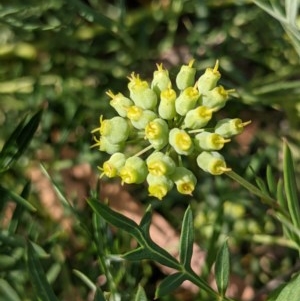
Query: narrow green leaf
[222, 269]
[140, 294]
[7, 293]
[151, 251]
[266, 239]
[212, 249]
[287, 20]
[29, 130]
[56, 188]
[6, 193]
[146, 222]
[290, 186]
[290, 292]
[271, 181]
[278, 9]
[261, 185]
[53, 272]
[161, 255]
[19, 141]
[274, 294]
[280, 194]
[12, 240]
[112, 26]
[294, 36]
[169, 284]
[186, 239]
[138, 254]
[253, 189]
[293, 232]
[9, 146]
[98, 292]
[6, 262]
[85, 280]
[267, 8]
[39, 251]
[291, 10]
[116, 219]
[282, 201]
[38, 278]
[14, 222]
[13, 136]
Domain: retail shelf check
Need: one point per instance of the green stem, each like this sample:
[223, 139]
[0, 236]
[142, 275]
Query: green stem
[144, 150]
[266, 199]
[193, 277]
[196, 131]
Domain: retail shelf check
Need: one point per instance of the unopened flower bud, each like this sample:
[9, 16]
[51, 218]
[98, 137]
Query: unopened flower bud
[135, 83]
[116, 129]
[133, 171]
[139, 117]
[186, 76]
[146, 99]
[156, 128]
[112, 166]
[216, 98]
[106, 146]
[212, 162]
[160, 164]
[230, 127]
[184, 180]
[181, 141]
[161, 79]
[187, 100]
[197, 118]
[120, 103]
[141, 94]
[157, 131]
[159, 186]
[166, 108]
[210, 141]
[209, 79]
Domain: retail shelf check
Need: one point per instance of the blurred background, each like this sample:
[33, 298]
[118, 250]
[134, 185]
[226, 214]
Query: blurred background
[63, 56]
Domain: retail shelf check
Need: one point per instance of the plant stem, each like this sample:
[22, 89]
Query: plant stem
[266, 199]
[193, 277]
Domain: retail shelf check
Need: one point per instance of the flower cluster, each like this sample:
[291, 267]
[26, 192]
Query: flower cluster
[159, 124]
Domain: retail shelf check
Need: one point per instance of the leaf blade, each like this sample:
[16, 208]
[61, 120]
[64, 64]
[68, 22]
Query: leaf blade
[290, 186]
[222, 269]
[116, 219]
[6, 193]
[38, 277]
[186, 239]
[7, 291]
[19, 141]
[140, 294]
[291, 291]
[169, 284]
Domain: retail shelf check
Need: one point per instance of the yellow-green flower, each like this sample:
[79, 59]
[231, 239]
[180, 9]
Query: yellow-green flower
[186, 76]
[212, 162]
[158, 186]
[160, 164]
[160, 123]
[184, 180]
[134, 171]
[181, 141]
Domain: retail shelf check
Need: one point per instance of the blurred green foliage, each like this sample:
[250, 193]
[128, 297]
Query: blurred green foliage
[63, 55]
